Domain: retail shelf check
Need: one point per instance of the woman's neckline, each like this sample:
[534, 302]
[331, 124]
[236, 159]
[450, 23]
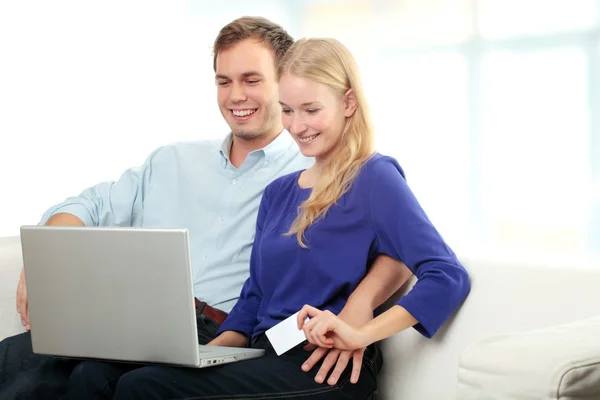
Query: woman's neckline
[298, 181]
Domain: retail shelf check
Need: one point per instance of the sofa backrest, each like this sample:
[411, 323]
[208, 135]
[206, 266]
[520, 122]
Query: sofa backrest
[505, 296]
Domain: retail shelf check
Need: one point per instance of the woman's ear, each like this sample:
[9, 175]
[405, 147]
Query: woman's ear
[350, 103]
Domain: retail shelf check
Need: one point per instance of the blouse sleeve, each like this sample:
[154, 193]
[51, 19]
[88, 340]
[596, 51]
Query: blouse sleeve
[403, 231]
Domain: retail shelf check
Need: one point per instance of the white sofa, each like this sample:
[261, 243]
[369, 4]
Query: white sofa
[526, 331]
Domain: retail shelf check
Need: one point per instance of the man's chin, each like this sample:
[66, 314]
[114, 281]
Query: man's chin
[246, 135]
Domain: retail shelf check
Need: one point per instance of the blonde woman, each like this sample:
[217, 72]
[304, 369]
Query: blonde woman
[317, 230]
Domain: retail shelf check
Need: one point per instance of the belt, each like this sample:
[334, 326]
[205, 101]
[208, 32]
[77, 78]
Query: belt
[210, 312]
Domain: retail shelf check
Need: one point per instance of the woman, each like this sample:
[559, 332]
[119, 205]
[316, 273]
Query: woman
[317, 229]
[319, 83]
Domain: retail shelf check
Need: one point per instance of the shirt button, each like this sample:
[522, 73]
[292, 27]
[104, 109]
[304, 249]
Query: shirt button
[204, 257]
[234, 181]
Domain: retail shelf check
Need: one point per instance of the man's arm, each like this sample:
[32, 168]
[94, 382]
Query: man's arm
[385, 278]
[114, 203]
[64, 219]
[61, 219]
[109, 203]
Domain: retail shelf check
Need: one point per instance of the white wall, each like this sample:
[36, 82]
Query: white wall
[491, 106]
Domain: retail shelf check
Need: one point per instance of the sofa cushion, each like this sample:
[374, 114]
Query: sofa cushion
[560, 362]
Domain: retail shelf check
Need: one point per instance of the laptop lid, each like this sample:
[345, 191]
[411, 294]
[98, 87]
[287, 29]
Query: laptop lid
[114, 293]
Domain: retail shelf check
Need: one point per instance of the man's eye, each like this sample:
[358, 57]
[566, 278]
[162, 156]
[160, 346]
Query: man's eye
[253, 81]
[312, 110]
[222, 83]
[286, 111]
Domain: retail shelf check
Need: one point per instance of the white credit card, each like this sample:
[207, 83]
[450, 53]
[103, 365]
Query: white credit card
[286, 335]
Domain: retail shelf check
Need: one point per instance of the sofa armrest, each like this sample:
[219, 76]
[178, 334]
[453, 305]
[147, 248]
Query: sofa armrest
[11, 262]
[560, 362]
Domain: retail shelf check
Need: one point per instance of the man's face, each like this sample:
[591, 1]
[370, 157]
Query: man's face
[247, 89]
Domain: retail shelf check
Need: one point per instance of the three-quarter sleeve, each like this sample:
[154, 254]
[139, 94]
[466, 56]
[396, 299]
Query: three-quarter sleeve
[403, 231]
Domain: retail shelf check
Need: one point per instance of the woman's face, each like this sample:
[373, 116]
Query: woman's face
[314, 114]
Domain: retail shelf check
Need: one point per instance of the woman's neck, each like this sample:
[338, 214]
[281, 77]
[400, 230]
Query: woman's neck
[308, 178]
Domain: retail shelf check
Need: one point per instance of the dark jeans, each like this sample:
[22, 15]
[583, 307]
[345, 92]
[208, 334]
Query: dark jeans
[16, 355]
[268, 377]
[24, 375]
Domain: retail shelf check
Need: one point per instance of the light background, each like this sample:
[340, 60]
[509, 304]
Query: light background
[491, 106]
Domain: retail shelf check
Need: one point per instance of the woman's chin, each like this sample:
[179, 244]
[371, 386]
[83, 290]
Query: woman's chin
[309, 153]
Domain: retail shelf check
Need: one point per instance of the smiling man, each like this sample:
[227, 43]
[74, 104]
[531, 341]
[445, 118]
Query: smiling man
[247, 88]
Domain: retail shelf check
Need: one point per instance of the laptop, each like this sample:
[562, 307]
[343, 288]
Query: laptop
[116, 294]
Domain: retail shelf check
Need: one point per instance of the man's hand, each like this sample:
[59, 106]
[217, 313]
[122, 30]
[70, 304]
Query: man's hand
[356, 314]
[22, 306]
[339, 358]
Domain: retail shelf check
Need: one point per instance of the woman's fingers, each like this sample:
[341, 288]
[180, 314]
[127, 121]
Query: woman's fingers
[306, 312]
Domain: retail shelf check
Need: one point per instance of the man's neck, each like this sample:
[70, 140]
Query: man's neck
[240, 148]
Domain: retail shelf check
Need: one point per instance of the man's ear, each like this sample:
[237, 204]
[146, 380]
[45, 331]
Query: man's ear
[350, 103]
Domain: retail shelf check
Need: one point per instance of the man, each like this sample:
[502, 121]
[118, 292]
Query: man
[214, 190]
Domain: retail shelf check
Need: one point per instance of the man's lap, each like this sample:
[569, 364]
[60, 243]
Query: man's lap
[22, 371]
[48, 380]
[272, 377]
[16, 355]
[96, 379]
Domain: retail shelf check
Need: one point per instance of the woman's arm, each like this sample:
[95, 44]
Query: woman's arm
[393, 321]
[403, 231]
[327, 330]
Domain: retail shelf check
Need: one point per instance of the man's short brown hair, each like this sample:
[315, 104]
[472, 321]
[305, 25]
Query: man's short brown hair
[270, 33]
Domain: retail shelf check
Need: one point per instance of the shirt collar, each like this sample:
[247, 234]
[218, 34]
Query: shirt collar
[226, 146]
[282, 142]
[271, 151]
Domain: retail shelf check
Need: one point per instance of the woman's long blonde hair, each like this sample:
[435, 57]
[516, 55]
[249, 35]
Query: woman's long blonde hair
[329, 62]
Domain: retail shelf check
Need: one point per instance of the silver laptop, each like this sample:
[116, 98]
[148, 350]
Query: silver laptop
[119, 294]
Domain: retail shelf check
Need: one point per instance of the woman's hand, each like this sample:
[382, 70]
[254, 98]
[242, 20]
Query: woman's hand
[356, 313]
[325, 329]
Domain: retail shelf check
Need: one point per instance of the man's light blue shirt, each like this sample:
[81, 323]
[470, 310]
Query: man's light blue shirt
[193, 185]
